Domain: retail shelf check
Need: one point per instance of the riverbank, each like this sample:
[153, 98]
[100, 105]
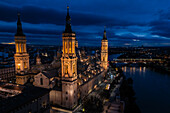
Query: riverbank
[127, 94]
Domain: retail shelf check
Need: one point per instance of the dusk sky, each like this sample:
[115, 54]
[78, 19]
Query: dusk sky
[128, 22]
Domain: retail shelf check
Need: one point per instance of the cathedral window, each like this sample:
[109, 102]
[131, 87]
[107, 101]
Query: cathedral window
[41, 81]
[17, 48]
[73, 47]
[18, 66]
[25, 65]
[65, 46]
[69, 47]
[24, 48]
[20, 48]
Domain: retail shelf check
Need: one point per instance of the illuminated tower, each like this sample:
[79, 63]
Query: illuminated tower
[21, 56]
[76, 43]
[69, 66]
[104, 51]
[38, 59]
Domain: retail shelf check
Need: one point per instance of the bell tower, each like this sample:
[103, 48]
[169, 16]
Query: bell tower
[38, 59]
[69, 66]
[104, 51]
[21, 56]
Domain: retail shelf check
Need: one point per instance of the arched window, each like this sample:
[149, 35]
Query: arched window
[41, 81]
[25, 65]
[18, 66]
[69, 47]
[73, 47]
[20, 48]
[65, 46]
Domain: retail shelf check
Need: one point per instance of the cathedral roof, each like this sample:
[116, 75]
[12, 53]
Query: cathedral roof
[68, 22]
[19, 27]
[51, 73]
[104, 35]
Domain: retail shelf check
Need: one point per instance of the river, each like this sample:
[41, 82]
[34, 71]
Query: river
[152, 89]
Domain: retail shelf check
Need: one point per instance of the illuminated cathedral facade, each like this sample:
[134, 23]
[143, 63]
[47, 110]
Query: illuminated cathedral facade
[69, 78]
[104, 51]
[69, 66]
[21, 56]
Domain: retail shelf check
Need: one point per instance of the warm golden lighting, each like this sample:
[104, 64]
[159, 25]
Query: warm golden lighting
[66, 68]
[140, 69]
[18, 66]
[65, 47]
[73, 47]
[25, 65]
[95, 86]
[107, 87]
[73, 68]
[69, 47]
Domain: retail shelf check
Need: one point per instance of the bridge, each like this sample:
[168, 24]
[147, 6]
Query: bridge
[131, 60]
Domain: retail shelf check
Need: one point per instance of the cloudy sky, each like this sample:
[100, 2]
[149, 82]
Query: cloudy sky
[128, 22]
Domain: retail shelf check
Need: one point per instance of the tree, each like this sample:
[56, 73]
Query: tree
[93, 105]
[130, 81]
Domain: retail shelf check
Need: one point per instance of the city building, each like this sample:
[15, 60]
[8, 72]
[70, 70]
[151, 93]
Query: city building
[23, 99]
[21, 56]
[7, 73]
[104, 51]
[70, 77]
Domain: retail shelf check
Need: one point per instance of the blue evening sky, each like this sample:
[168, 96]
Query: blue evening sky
[128, 22]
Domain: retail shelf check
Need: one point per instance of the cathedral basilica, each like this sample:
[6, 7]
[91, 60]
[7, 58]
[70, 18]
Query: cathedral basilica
[70, 77]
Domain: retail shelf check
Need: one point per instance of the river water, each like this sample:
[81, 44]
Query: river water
[152, 89]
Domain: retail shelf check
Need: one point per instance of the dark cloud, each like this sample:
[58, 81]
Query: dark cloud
[39, 15]
[161, 27]
[125, 21]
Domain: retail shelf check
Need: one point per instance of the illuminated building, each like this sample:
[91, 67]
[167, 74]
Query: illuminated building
[38, 59]
[104, 51]
[69, 66]
[66, 81]
[21, 56]
[23, 99]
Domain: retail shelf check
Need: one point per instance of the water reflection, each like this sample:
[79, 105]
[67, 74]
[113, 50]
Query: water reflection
[134, 70]
[144, 69]
[125, 69]
[151, 88]
[140, 69]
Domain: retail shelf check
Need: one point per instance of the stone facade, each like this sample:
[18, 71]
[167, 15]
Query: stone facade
[21, 57]
[69, 67]
[41, 80]
[104, 51]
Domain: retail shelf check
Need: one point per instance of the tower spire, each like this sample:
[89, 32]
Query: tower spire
[19, 27]
[68, 22]
[104, 35]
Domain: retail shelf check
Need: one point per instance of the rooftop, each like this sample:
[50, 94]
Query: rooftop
[29, 93]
